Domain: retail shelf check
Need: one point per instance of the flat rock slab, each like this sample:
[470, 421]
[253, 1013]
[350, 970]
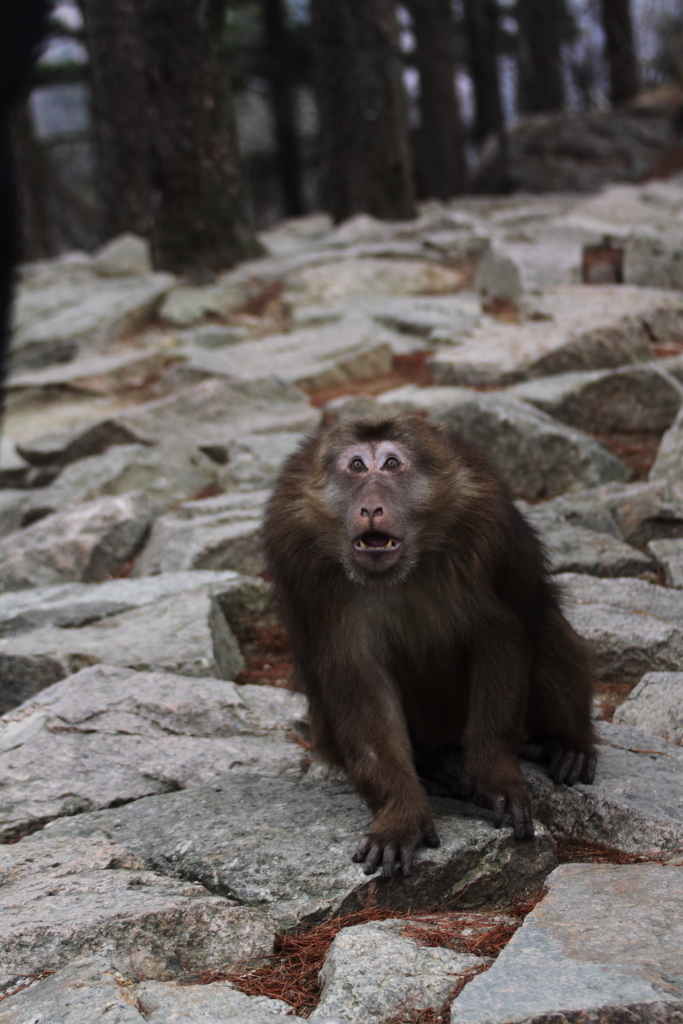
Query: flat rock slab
[509, 269]
[631, 626]
[667, 465]
[669, 555]
[643, 398]
[285, 844]
[64, 897]
[635, 803]
[655, 706]
[367, 278]
[326, 356]
[636, 513]
[255, 460]
[215, 533]
[108, 735]
[373, 972]
[571, 328]
[606, 943]
[88, 542]
[93, 374]
[538, 456]
[79, 604]
[186, 633]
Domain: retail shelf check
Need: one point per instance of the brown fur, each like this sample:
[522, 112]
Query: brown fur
[460, 643]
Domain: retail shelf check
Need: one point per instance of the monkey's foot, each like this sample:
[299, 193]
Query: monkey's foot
[516, 802]
[567, 765]
[372, 849]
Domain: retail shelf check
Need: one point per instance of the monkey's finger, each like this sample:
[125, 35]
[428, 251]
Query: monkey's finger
[406, 861]
[388, 860]
[431, 838]
[522, 823]
[576, 769]
[588, 770]
[362, 849]
[556, 752]
[372, 859]
[498, 804]
[563, 769]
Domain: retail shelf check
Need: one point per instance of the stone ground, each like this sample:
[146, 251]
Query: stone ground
[170, 852]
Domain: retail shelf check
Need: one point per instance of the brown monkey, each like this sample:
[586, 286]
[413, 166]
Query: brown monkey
[422, 619]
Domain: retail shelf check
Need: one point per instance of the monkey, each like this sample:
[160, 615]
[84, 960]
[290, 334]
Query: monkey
[422, 619]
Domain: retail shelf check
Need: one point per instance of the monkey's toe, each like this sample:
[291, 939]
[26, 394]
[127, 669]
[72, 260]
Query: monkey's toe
[568, 766]
[588, 771]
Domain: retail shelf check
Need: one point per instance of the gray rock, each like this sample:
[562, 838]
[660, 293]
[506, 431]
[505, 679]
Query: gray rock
[326, 356]
[107, 735]
[669, 555]
[635, 803]
[88, 542]
[185, 633]
[286, 843]
[87, 991]
[372, 973]
[242, 598]
[631, 626]
[12, 466]
[125, 254]
[576, 549]
[667, 465]
[91, 375]
[578, 328]
[61, 447]
[170, 1001]
[64, 897]
[654, 259]
[538, 456]
[655, 706]
[231, 292]
[641, 398]
[216, 533]
[508, 269]
[92, 310]
[605, 943]
[636, 513]
[255, 460]
[346, 279]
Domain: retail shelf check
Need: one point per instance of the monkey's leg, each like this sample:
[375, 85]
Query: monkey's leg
[499, 676]
[361, 710]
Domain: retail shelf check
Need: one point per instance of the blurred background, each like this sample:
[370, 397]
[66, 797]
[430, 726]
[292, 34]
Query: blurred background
[161, 117]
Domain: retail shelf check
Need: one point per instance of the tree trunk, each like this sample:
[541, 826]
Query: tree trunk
[33, 177]
[200, 225]
[282, 98]
[441, 158]
[540, 58]
[363, 117]
[121, 115]
[481, 26]
[618, 29]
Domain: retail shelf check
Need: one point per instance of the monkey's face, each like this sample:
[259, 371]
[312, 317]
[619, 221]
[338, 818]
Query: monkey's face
[375, 490]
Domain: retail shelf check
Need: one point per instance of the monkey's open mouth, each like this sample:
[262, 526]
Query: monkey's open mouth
[373, 540]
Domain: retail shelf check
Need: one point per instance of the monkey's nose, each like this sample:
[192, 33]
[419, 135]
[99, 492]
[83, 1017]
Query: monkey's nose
[376, 513]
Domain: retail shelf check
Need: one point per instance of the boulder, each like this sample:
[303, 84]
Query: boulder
[372, 973]
[215, 533]
[13, 466]
[508, 269]
[636, 513]
[230, 293]
[109, 735]
[255, 460]
[569, 328]
[538, 456]
[63, 897]
[641, 398]
[655, 706]
[345, 279]
[667, 465]
[605, 943]
[186, 633]
[123, 255]
[91, 375]
[654, 259]
[88, 542]
[285, 844]
[668, 554]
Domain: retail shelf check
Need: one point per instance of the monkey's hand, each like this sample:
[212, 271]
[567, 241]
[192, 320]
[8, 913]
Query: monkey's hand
[390, 840]
[514, 799]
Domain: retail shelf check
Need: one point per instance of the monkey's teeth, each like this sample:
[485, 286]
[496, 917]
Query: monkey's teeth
[362, 544]
[389, 543]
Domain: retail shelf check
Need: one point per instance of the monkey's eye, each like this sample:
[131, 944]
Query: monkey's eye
[391, 463]
[357, 465]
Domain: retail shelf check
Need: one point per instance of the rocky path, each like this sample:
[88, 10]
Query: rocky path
[170, 852]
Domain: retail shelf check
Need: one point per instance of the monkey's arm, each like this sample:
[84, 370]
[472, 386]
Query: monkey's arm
[356, 716]
[499, 672]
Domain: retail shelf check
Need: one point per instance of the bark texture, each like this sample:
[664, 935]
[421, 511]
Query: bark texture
[619, 51]
[540, 58]
[366, 155]
[282, 98]
[481, 26]
[440, 158]
[199, 223]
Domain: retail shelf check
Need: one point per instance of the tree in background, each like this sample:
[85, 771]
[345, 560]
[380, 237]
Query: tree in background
[542, 25]
[619, 50]
[280, 77]
[440, 156]
[122, 129]
[362, 106]
[481, 29]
